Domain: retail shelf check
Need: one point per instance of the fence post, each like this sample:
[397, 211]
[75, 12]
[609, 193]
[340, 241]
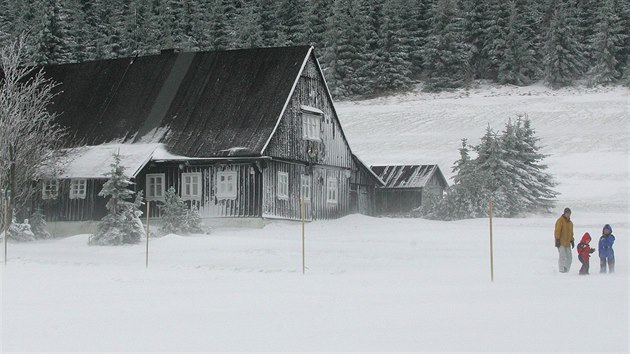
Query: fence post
[6, 195]
[491, 243]
[147, 253]
[302, 212]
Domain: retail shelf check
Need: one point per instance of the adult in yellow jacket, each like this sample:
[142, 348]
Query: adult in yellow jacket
[564, 240]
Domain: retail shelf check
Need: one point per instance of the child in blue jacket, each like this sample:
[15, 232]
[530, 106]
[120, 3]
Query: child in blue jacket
[606, 253]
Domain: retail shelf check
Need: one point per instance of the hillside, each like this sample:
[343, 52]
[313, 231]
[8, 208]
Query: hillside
[585, 132]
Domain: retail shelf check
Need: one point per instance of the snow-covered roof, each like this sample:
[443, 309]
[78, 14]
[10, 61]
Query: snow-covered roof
[96, 161]
[408, 176]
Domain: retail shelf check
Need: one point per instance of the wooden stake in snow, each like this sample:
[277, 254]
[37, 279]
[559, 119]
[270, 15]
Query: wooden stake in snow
[491, 246]
[147, 255]
[5, 198]
[302, 217]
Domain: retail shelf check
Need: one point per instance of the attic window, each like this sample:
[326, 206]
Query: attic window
[311, 123]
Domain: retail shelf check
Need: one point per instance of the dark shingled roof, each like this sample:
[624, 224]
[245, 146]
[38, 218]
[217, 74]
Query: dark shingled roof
[201, 104]
[408, 176]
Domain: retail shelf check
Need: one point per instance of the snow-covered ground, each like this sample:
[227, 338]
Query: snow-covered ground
[372, 284]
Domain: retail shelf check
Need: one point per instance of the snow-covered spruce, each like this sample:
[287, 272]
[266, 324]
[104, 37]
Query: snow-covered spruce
[507, 169]
[177, 218]
[38, 225]
[122, 224]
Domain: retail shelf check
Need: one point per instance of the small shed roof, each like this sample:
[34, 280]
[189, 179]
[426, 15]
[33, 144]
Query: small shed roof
[408, 176]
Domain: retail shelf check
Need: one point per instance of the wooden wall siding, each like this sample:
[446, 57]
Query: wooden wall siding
[434, 186]
[248, 197]
[65, 209]
[397, 201]
[287, 142]
[317, 207]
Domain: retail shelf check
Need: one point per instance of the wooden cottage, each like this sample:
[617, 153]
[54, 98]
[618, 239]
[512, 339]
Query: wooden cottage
[240, 134]
[407, 187]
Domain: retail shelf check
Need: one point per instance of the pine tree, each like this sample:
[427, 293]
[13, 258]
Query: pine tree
[519, 66]
[122, 224]
[586, 21]
[92, 41]
[563, 60]
[38, 225]
[248, 25]
[345, 56]
[519, 199]
[176, 217]
[269, 22]
[54, 42]
[607, 42]
[539, 183]
[497, 45]
[476, 21]
[291, 22]
[394, 69]
[318, 14]
[446, 53]
[490, 161]
[418, 25]
[221, 20]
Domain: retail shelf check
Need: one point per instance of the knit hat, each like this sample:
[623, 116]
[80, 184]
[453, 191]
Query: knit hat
[567, 210]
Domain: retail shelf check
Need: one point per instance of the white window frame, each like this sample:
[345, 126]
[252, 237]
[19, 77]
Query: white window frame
[226, 184]
[152, 192]
[305, 186]
[50, 189]
[282, 190]
[189, 182]
[78, 188]
[311, 126]
[332, 190]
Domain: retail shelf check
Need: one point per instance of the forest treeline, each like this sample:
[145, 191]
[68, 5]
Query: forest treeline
[365, 47]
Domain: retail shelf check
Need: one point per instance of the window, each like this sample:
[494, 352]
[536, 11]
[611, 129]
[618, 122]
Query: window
[191, 186]
[331, 190]
[50, 189]
[77, 188]
[311, 123]
[155, 186]
[305, 182]
[283, 185]
[226, 185]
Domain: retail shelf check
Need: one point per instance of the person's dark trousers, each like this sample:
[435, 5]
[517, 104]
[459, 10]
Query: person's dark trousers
[585, 265]
[607, 260]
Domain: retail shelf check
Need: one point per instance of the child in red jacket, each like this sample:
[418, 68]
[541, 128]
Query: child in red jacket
[584, 251]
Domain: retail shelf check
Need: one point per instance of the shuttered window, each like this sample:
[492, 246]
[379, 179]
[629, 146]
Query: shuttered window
[226, 185]
[155, 186]
[78, 188]
[50, 189]
[332, 190]
[306, 186]
[283, 185]
[191, 186]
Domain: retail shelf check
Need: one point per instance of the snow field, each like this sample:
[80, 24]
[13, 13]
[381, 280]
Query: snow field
[372, 284]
